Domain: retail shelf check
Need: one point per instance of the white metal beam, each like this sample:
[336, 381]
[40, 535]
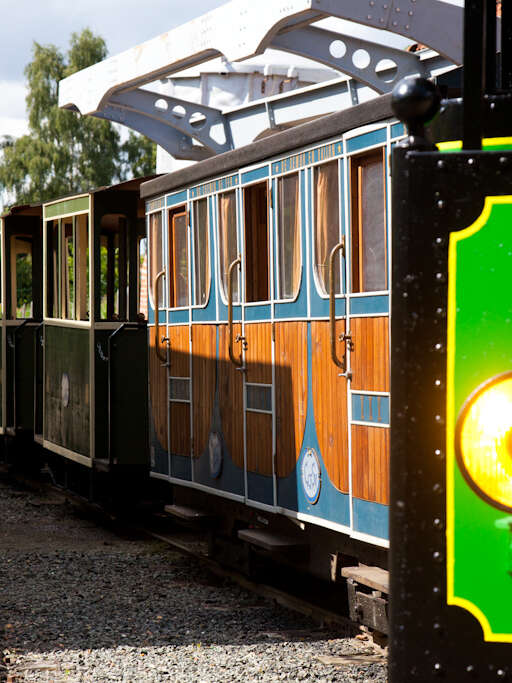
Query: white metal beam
[243, 28]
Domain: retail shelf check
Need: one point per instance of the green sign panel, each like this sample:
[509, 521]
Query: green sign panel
[479, 420]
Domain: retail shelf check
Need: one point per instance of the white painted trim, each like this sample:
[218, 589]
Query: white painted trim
[367, 538]
[66, 453]
[199, 487]
[384, 425]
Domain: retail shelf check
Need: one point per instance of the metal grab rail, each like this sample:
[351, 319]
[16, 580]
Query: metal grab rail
[236, 361]
[161, 356]
[332, 305]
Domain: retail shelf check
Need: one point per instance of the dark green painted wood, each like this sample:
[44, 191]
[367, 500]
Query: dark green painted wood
[67, 351]
[67, 206]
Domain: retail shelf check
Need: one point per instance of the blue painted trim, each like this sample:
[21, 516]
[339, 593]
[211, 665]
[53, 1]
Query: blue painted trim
[369, 304]
[370, 518]
[332, 504]
[181, 467]
[370, 408]
[261, 312]
[376, 137]
[162, 317]
[227, 183]
[176, 317]
[397, 130]
[312, 156]
[177, 198]
[155, 204]
[255, 174]
[260, 488]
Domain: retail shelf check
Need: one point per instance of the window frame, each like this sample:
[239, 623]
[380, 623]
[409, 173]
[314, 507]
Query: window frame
[224, 295]
[192, 215]
[243, 247]
[279, 299]
[172, 213]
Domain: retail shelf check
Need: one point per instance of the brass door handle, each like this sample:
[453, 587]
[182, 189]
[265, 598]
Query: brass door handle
[160, 355]
[236, 361]
[332, 305]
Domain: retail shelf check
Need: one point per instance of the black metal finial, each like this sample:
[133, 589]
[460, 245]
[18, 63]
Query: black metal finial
[416, 101]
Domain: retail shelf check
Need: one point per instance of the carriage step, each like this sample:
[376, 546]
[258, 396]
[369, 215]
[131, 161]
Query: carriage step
[373, 577]
[270, 541]
[188, 514]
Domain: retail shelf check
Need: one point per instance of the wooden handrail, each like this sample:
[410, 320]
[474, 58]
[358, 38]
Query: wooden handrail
[236, 361]
[332, 303]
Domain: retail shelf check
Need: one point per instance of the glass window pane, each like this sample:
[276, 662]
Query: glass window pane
[369, 272]
[155, 241]
[289, 236]
[179, 255]
[22, 277]
[143, 278]
[228, 243]
[201, 253]
[327, 227]
[257, 281]
[52, 270]
[68, 270]
[82, 267]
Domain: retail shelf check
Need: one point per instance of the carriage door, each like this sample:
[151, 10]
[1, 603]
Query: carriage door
[368, 322]
[257, 332]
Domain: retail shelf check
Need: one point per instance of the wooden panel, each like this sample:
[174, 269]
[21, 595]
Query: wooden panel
[291, 392]
[258, 356]
[158, 390]
[180, 351]
[370, 357]
[330, 403]
[259, 443]
[231, 398]
[370, 463]
[203, 382]
[179, 418]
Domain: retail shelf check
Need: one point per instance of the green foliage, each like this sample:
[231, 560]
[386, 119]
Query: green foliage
[64, 153]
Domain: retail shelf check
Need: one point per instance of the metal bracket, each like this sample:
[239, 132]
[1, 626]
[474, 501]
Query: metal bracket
[378, 66]
[191, 119]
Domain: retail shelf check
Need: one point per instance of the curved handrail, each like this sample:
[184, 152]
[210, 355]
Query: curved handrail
[161, 356]
[332, 303]
[236, 361]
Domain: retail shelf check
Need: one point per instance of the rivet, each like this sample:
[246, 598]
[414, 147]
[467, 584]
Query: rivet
[503, 160]
[470, 668]
[368, 16]
[437, 556]
[436, 590]
[439, 453]
[437, 382]
[397, 10]
[410, 13]
[500, 673]
[372, 3]
[471, 162]
[439, 276]
[407, 27]
[436, 626]
[438, 668]
[437, 488]
[438, 524]
[440, 204]
[438, 346]
[384, 6]
[439, 240]
[395, 23]
[381, 20]
[440, 164]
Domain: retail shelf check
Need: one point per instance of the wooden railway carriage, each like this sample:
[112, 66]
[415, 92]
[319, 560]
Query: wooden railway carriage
[269, 334]
[21, 315]
[93, 361]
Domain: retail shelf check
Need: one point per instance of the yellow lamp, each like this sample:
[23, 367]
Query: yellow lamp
[483, 441]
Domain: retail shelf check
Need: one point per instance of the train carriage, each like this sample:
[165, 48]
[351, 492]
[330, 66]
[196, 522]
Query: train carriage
[21, 315]
[269, 335]
[92, 412]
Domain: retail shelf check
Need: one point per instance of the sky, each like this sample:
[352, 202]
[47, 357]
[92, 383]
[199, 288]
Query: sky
[122, 23]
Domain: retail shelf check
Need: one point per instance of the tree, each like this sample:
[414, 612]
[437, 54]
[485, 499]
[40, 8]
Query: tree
[64, 153]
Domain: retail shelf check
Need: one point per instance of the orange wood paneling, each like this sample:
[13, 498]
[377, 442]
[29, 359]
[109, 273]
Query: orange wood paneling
[179, 414]
[158, 391]
[370, 463]
[291, 392]
[259, 443]
[180, 351]
[330, 404]
[370, 357]
[203, 382]
[231, 397]
[258, 355]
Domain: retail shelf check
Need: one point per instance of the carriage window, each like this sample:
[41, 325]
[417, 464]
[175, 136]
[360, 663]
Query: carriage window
[155, 259]
[178, 258]
[21, 282]
[143, 277]
[201, 253]
[228, 243]
[368, 223]
[289, 236]
[327, 222]
[52, 270]
[256, 243]
[68, 270]
[113, 268]
[82, 267]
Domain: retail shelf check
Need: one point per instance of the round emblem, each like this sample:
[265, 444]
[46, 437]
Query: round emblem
[311, 475]
[64, 389]
[215, 451]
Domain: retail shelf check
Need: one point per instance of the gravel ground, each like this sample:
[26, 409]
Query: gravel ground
[78, 603]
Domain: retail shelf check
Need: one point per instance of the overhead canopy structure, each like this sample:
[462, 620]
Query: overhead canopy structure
[116, 89]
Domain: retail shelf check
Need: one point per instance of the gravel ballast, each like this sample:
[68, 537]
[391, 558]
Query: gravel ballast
[79, 603]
